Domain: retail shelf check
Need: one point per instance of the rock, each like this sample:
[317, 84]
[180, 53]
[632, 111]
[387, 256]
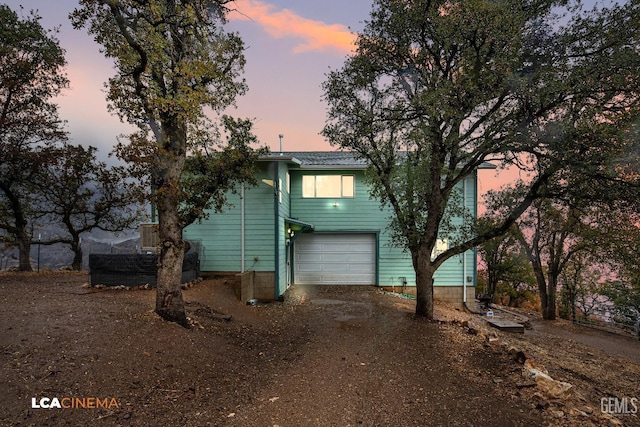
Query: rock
[586, 409]
[554, 388]
[509, 348]
[533, 368]
[546, 384]
[578, 412]
[492, 337]
[558, 414]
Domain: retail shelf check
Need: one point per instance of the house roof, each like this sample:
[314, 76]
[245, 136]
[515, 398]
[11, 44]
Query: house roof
[330, 159]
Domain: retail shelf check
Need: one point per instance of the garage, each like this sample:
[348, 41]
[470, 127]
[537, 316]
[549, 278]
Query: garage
[335, 259]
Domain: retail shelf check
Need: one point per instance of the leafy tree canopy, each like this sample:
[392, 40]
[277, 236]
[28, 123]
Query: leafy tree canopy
[437, 88]
[175, 63]
[31, 74]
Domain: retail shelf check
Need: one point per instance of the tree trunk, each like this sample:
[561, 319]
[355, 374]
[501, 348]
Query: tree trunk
[542, 288]
[76, 265]
[492, 281]
[19, 231]
[169, 301]
[549, 313]
[424, 284]
[572, 301]
[548, 299]
[23, 241]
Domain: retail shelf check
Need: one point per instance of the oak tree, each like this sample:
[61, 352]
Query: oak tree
[437, 88]
[507, 270]
[31, 75]
[78, 193]
[175, 63]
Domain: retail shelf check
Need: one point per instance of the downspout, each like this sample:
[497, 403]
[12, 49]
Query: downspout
[276, 228]
[475, 215]
[242, 228]
[464, 259]
[464, 254]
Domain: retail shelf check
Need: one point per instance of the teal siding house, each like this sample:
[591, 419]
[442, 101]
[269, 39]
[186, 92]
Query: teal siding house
[312, 221]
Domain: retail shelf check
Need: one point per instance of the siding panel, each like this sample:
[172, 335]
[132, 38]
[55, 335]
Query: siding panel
[220, 234]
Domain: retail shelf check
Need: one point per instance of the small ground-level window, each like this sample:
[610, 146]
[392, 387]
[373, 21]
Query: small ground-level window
[328, 186]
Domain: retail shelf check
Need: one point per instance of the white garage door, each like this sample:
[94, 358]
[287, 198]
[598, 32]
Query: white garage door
[335, 259]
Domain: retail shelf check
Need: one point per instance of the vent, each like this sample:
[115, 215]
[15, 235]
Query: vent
[149, 237]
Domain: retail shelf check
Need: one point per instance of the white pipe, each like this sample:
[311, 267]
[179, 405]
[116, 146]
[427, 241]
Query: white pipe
[464, 254]
[242, 227]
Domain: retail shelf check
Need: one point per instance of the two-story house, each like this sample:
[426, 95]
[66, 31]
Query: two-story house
[312, 221]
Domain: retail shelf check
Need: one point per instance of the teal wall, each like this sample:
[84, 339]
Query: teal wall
[363, 214]
[220, 233]
[219, 236]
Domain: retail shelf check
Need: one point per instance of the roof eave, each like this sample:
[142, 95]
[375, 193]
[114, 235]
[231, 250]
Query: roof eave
[333, 167]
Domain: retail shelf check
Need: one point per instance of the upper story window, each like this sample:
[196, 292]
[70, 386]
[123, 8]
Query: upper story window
[328, 186]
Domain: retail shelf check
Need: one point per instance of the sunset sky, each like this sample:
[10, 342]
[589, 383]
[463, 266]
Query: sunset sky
[291, 45]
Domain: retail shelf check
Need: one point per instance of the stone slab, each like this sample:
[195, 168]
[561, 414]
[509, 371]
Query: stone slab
[506, 325]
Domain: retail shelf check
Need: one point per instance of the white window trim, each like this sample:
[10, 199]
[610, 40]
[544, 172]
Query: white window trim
[342, 187]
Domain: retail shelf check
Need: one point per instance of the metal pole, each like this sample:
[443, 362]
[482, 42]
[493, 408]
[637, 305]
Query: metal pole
[242, 226]
[39, 238]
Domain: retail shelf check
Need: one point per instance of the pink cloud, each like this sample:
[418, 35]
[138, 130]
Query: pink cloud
[314, 35]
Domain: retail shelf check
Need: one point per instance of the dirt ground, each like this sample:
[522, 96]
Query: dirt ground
[324, 357]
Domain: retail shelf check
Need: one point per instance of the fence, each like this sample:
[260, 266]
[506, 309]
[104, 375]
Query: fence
[603, 318]
[135, 269]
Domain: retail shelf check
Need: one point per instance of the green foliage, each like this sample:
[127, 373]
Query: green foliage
[624, 257]
[509, 275]
[79, 193]
[436, 88]
[175, 62]
[420, 100]
[554, 236]
[173, 58]
[522, 295]
[573, 242]
[625, 296]
[582, 285]
[209, 174]
[31, 74]
[31, 61]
